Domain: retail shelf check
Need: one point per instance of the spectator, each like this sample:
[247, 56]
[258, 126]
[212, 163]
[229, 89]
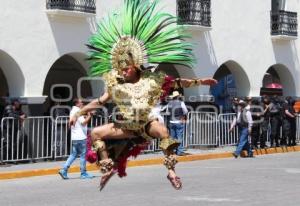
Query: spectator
[14, 136]
[2, 103]
[2, 106]
[178, 111]
[292, 139]
[235, 102]
[275, 109]
[254, 107]
[265, 122]
[289, 123]
[244, 122]
[79, 142]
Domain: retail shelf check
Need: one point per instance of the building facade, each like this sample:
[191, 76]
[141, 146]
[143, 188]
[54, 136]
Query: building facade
[252, 43]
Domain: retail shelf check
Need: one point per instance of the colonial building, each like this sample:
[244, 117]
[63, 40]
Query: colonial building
[249, 45]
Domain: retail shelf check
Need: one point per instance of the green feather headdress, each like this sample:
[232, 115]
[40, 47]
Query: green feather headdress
[138, 35]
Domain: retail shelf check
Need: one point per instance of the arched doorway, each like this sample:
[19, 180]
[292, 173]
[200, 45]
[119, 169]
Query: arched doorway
[278, 80]
[61, 84]
[4, 91]
[232, 82]
[12, 81]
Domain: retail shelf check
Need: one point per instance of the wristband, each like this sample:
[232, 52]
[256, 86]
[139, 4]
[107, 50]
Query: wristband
[195, 82]
[79, 113]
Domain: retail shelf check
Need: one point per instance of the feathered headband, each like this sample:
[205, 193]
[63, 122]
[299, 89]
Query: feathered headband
[138, 35]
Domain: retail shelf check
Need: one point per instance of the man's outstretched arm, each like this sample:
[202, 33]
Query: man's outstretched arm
[193, 82]
[94, 104]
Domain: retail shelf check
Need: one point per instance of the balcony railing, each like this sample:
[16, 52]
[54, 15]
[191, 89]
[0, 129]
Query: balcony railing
[194, 12]
[87, 6]
[284, 23]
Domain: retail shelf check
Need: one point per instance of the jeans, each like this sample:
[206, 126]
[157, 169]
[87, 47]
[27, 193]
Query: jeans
[176, 130]
[78, 148]
[244, 142]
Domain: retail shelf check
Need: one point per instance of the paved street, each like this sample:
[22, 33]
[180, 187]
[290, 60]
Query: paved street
[268, 179]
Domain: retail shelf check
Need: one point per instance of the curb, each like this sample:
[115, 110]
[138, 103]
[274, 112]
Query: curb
[144, 162]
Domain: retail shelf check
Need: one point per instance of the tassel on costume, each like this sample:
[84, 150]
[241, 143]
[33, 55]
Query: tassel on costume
[122, 161]
[91, 156]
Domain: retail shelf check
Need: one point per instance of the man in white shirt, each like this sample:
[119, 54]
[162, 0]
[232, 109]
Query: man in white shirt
[178, 111]
[79, 147]
[245, 122]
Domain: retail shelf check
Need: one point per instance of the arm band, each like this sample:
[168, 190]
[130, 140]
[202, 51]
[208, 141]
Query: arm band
[79, 113]
[196, 82]
[178, 83]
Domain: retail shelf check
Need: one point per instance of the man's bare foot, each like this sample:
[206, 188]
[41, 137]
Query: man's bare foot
[105, 178]
[175, 181]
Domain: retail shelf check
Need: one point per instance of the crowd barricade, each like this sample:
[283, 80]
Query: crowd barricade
[201, 129]
[11, 137]
[47, 138]
[62, 137]
[97, 120]
[26, 140]
[37, 132]
[298, 128]
[226, 138]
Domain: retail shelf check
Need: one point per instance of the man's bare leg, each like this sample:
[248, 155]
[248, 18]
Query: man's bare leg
[99, 134]
[158, 130]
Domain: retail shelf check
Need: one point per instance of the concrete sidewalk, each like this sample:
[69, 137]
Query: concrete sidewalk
[52, 167]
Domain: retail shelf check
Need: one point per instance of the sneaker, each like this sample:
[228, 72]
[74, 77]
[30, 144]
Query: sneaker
[235, 155]
[63, 174]
[86, 176]
[183, 154]
[250, 156]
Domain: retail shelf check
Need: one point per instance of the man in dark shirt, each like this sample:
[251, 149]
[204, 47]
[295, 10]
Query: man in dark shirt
[289, 123]
[12, 130]
[275, 109]
[266, 121]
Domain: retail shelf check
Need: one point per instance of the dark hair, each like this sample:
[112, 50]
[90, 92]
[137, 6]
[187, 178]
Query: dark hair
[143, 68]
[75, 101]
[265, 99]
[255, 102]
[13, 101]
[248, 99]
[290, 100]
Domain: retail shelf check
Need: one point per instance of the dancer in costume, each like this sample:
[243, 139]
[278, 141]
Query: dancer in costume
[124, 43]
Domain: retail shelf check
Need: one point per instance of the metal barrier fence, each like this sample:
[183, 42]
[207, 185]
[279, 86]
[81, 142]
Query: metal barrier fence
[201, 129]
[62, 137]
[38, 134]
[44, 138]
[37, 138]
[298, 128]
[226, 138]
[10, 136]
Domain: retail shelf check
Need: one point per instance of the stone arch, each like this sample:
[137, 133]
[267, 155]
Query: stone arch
[11, 76]
[281, 75]
[61, 82]
[240, 76]
[233, 81]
